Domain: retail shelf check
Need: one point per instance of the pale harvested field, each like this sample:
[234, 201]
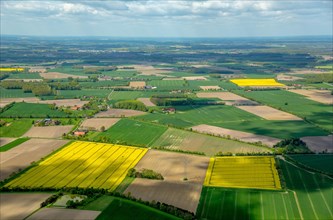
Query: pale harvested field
[322, 96]
[319, 143]
[97, 123]
[57, 75]
[269, 113]
[64, 214]
[118, 113]
[240, 135]
[137, 84]
[200, 65]
[146, 101]
[15, 206]
[172, 78]
[147, 70]
[194, 78]
[21, 156]
[37, 69]
[173, 189]
[65, 102]
[210, 87]
[221, 95]
[306, 71]
[6, 101]
[4, 141]
[283, 77]
[49, 131]
[25, 80]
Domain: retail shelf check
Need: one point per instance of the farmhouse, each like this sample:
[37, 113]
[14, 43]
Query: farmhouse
[80, 133]
[169, 110]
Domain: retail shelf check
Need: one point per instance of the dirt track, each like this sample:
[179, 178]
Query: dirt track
[243, 136]
[118, 113]
[97, 123]
[48, 131]
[63, 214]
[21, 156]
[173, 189]
[269, 113]
[19, 205]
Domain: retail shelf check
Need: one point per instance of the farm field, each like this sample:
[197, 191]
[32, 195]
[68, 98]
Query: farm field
[24, 154]
[28, 110]
[9, 143]
[191, 141]
[15, 127]
[82, 164]
[4, 141]
[322, 162]
[119, 113]
[133, 133]
[98, 123]
[173, 190]
[240, 135]
[59, 75]
[269, 113]
[9, 69]
[322, 96]
[6, 101]
[146, 102]
[233, 118]
[26, 76]
[256, 82]
[319, 144]
[14, 93]
[243, 172]
[169, 84]
[20, 205]
[73, 94]
[48, 131]
[118, 208]
[308, 196]
[296, 104]
[61, 213]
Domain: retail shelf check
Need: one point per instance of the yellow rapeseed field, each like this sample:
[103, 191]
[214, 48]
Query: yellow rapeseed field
[83, 164]
[256, 82]
[4, 69]
[243, 172]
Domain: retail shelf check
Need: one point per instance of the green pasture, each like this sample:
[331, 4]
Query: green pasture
[322, 162]
[14, 93]
[128, 131]
[15, 127]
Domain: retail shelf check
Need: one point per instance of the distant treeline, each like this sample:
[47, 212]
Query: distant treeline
[37, 88]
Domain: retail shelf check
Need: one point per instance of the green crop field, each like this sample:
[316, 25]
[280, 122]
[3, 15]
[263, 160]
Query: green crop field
[14, 93]
[31, 110]
[15, 127]
[120, 73]
[314, 112]
[234, 118]
[106, 83]
[191, 141]
[68, 94]
[169, 84]
[124, 209]
[322, 162]
[131, 95]
[69, 70]
[24, 76]
[13, 144]
[127, 131]
[309, 196]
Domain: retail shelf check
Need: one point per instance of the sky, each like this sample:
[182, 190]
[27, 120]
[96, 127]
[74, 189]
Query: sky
[167, 18]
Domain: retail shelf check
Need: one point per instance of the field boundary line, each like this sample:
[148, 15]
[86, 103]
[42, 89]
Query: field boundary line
[298, 206]
[322, 196]
[285, 206]
[262, 208]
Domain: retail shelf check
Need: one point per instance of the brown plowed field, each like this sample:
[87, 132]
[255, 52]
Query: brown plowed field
[322, 96]
[97, 123]
[210, 87]
[6, 101]
[64, 214]
[319, 143]
[221, 95]
[240, 135]
[19, 205]
[21, 156]
[173, 189]
[48, 131]
[4, 141]
[137, 84]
